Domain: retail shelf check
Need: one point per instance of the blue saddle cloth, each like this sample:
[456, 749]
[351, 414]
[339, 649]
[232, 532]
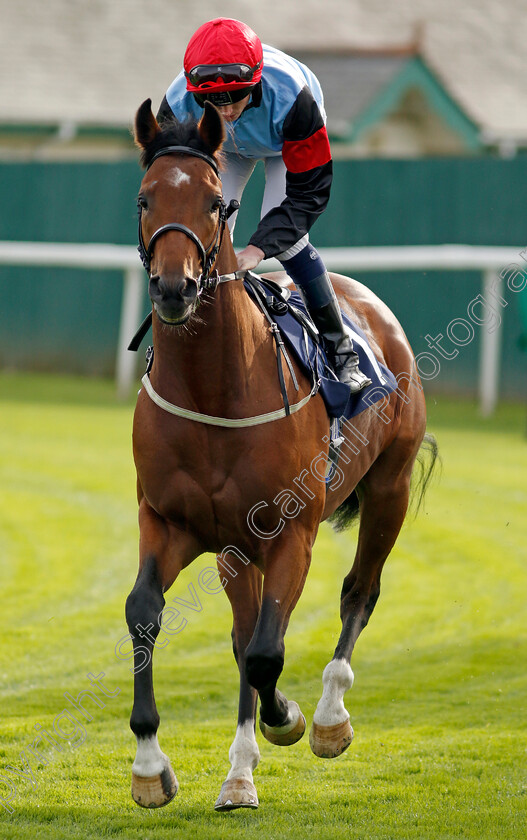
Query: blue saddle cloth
[311, 356]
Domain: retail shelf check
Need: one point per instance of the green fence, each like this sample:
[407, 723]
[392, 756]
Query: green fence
[68, 319]
[64, 319]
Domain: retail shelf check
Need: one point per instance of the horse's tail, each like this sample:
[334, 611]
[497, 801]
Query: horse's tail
[427, 460]
[346, 514]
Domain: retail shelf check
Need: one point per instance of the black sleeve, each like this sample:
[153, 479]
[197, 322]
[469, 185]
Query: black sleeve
[307, 197]
[165, 111]
[309, 172]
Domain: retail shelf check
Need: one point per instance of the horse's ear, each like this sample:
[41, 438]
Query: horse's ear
[146, 125]
[211, 127]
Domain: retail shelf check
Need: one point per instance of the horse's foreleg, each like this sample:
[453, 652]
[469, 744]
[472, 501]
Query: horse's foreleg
[383, 508]
[281, 721]
[244, 592]
[153, 781]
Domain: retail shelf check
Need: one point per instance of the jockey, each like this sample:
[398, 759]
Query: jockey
[273, 110]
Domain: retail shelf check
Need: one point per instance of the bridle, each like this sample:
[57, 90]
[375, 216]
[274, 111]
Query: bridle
[207, 255]
[206, 280]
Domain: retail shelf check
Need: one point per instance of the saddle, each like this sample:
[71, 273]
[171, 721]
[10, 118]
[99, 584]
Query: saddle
[299, 334]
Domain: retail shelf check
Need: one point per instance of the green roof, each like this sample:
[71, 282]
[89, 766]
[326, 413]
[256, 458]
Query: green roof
[415, 74]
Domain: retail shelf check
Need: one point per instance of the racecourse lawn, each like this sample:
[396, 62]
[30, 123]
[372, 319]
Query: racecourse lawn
[439, 703]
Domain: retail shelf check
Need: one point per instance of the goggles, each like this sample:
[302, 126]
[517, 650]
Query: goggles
[228, 73]
[225, 97]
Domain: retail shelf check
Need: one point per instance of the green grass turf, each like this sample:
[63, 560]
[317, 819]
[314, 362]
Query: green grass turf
[439, 702]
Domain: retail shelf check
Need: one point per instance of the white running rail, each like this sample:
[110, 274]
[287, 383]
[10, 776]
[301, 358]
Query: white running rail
[487, 259]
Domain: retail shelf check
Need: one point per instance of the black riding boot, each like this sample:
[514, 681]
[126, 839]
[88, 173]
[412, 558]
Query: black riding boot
[308, 272]
[328, 321]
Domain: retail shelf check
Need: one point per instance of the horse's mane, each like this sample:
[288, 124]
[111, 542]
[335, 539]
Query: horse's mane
[175, 133]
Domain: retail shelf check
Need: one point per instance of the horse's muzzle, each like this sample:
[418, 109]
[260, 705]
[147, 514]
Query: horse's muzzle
[174, 302]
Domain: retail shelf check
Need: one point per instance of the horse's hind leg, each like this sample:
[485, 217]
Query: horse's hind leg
[384, 502]
[244, 592]
[153, 781]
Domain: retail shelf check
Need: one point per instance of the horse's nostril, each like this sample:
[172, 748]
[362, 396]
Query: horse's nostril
[171, 290]
[190, 287]
[154, 287]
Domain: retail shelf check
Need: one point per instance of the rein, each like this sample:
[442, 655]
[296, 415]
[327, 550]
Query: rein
[229, 422]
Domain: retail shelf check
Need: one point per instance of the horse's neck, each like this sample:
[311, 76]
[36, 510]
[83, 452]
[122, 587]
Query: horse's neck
[220, 356]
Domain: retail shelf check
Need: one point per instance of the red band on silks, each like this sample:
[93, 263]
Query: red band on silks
[302, 155]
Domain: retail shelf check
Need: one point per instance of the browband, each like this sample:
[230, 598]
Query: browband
[185, 150]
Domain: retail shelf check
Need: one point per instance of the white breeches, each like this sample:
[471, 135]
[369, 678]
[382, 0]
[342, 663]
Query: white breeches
[234, 179]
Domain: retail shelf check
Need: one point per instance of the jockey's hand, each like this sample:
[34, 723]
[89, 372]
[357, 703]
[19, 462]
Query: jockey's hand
[249, 258]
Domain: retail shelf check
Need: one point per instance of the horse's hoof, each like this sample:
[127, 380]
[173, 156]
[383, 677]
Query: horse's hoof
[289, 733]
[154, 791]
[330, 741]
[236, 793]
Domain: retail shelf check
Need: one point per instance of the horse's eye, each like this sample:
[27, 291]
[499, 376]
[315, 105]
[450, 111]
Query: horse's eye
[142, 202]
[216, 204]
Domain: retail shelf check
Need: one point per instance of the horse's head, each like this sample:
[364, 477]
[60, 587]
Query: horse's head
[180, 207]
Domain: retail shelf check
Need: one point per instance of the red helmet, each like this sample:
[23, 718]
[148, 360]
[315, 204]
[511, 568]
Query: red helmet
[223, 54]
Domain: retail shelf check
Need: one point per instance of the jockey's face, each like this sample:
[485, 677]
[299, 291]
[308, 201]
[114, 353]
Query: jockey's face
[231, 112]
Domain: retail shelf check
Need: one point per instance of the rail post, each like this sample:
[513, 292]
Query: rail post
[130, 319]
[490, 354]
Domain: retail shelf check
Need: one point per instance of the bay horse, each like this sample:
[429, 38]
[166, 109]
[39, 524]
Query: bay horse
[204, 485]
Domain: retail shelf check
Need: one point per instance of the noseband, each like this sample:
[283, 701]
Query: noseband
[208, 255]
